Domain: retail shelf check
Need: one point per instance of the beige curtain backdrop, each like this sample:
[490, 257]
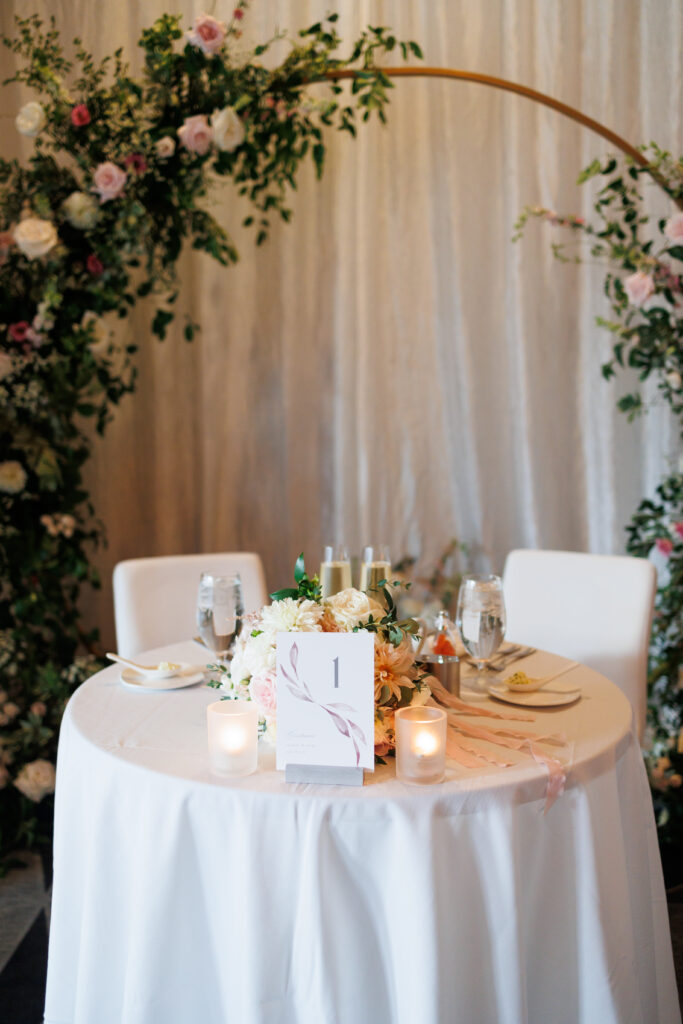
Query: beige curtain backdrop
[390, 365]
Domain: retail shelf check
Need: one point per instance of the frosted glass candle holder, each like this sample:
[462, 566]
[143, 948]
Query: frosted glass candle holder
[233, 737]
[420, 745]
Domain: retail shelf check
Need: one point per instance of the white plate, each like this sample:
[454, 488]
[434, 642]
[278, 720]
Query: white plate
[555, 697]
[137, 681]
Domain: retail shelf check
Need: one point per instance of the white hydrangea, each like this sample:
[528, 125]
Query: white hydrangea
[252, 654]
[290, 615]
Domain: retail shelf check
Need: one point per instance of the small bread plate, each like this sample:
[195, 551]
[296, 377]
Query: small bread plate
[538, 698]
[137, 681]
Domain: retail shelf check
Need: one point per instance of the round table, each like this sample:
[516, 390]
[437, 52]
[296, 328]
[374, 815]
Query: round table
[183, 897]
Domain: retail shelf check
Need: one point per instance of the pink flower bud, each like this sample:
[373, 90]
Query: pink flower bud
[80, 115]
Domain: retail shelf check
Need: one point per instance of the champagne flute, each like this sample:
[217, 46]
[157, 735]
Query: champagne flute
[376, 566]
[335, 570]
[219, 612]
[480, 618]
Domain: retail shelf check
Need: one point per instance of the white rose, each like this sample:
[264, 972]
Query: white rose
[674, 380]
[81, 210]
[31, 119]
[228, 129]
[36, 780]
[165, 147]
[100, 330]
[12, 477]
[350, 607]
[35, 237]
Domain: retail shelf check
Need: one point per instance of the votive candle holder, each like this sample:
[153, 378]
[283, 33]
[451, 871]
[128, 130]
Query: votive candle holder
[233, 737]
[420, 745]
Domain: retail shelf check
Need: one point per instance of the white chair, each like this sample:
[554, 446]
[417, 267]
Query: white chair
[596, 609]
[155, 599]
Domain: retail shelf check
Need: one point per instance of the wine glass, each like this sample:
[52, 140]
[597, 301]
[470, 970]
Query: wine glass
[335, 570]
[219, 612]
[480, 618]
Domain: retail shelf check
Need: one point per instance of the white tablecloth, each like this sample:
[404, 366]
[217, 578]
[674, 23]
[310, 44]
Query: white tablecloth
[183, 898]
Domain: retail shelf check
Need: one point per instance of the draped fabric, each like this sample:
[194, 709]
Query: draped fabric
[390, 366]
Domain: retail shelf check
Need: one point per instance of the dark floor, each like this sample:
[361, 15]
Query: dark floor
[24, 922]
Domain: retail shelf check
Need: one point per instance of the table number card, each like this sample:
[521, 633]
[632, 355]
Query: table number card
[325, 706]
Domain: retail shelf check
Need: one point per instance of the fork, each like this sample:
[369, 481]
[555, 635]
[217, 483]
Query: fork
[507, 659]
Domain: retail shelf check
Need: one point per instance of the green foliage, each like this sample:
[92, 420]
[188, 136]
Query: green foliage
[659, 523]
[646, 328]
[307, 588]
[61, 363]
[648, 335]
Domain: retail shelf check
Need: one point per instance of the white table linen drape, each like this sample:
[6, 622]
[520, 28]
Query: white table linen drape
[179, 896]
[390, 367]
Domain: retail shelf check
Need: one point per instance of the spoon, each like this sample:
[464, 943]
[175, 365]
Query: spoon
[150, 671]
[520, 686]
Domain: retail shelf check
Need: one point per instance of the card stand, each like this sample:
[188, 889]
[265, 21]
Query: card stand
[324, 775]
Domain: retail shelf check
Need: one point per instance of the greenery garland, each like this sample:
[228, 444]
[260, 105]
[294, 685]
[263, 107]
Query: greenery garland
[94, 221]
[644, 285]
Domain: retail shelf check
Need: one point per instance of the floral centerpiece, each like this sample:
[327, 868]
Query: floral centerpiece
[399, 682]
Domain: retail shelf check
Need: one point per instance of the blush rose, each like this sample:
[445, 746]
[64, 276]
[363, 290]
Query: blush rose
[673, 229]
[109, 181]
[208, 34]
[196, 134]
[639, 287]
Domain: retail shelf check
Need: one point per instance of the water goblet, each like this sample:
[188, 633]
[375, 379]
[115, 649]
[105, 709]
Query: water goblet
[480, 619]
[219, 612]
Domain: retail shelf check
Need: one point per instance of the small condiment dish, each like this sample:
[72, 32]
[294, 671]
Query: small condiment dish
[519, 682]
[164, 670]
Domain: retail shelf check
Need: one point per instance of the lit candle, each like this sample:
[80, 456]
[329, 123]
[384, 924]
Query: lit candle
[425, 743]
[233, 737]
[420, 744]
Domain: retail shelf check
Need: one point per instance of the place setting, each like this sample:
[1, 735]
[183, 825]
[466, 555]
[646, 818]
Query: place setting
[219, 617]
[505, 671]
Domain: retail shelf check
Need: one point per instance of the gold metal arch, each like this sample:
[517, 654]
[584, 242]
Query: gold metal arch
[520, 90]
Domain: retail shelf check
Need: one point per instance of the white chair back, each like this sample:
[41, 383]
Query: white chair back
[155, 599]
[594, 608]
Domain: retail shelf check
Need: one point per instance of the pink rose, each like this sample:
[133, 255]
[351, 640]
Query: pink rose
[94, 265]
[238, 13]
[208, 34]
[196, 134]
[639, 287]
[110, 181]
[262, 690]
[664, 546]
[673, 229]
[80, 115]
[678, 529]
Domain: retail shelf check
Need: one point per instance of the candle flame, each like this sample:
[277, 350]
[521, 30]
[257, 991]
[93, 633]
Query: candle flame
[425, 743]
